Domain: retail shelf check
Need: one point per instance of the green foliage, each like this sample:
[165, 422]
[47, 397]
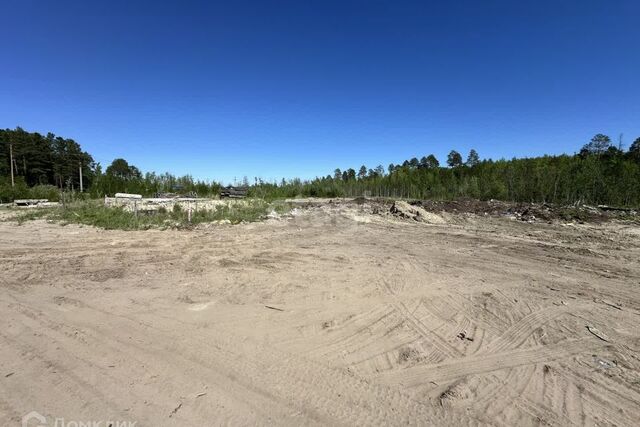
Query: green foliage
[30, 215]
[454, 159]
[120, 169]
[44, 160]
[600, 173]
[240, 211]
[611, 177]
[634, 151]
[432, 161]
[55, 161]
[22, 191]
[130, 180]
[95, 213]
[473, 159]
[598, 145]
[91, 212]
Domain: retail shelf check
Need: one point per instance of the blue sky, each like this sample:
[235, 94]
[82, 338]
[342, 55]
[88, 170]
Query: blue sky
[297, 88]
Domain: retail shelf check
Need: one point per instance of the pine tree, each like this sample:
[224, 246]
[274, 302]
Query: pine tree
[598, 145]
[634, 150]
[473, 159]
[362, 173]
[454, 159]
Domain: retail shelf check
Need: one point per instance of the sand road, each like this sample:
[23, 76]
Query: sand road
[327, 318]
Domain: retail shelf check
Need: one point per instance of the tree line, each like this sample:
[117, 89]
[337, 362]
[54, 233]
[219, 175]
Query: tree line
[600, 173]
[121, 177]
[45, 165]
[43, 159]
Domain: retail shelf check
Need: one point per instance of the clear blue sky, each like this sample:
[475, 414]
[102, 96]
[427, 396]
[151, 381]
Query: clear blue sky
[298, 88]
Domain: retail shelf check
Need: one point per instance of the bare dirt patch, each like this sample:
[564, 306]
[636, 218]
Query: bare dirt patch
[339, 313]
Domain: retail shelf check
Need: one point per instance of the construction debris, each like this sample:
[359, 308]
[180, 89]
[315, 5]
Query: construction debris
[234, 192]
[128, 196]
[29, 202]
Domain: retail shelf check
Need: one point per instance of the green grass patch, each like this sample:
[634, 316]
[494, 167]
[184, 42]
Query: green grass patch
[95, 213]
[30, 215]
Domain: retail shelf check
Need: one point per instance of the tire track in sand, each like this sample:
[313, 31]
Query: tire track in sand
[512, 339]
[518, 333]
[445, 349]
[483, 363]
[336, 398]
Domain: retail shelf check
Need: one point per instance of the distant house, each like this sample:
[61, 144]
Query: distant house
[233, 192]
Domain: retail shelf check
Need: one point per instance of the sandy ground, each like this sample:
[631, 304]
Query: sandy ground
[374, 321]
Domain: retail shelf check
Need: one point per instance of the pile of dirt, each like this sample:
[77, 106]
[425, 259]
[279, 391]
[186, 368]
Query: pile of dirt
[442, 211]
[529, 212]
[404, 210]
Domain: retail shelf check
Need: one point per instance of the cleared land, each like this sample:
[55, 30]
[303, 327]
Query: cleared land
[335, 315]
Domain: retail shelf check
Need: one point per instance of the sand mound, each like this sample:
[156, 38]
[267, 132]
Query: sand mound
[403, 209]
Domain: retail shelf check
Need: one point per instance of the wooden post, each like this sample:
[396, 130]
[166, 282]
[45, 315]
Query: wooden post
[11, 159]
[80, 168]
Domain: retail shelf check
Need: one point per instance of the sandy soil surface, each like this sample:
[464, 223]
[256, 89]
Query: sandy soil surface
[334, 316]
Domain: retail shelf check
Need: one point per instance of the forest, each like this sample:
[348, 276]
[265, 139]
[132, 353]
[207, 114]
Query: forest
[45, 165]
[599, 173]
